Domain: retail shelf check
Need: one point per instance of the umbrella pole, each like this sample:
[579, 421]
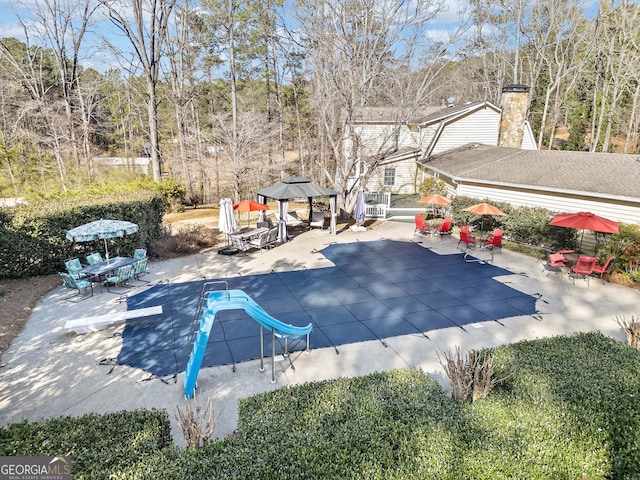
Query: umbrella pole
[106, 249]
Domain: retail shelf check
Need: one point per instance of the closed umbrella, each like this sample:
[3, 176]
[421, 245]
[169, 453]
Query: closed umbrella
[226, 220]
[101, 230]
[484, 209]
[359, 211]
[585, 221]
[249, 206]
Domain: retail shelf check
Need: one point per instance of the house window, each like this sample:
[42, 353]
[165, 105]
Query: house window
[389, 176]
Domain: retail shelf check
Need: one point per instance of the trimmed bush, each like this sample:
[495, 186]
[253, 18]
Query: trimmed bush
[33, 236]
[567, 409]
[524, 225]
[100, 446]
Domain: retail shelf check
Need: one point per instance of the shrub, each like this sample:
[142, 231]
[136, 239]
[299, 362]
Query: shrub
[567, 408]
[625, 246]
[471, 376]
[524, 225]
[184, 241]
[100, 446]
[33, 236]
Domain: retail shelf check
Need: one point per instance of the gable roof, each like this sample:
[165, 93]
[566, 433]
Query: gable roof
[391, 114]
[423, 116]
[446, 117]
[452, 112]
[610, 175]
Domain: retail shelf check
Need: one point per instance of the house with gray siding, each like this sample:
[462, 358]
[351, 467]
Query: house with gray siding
[607, 184]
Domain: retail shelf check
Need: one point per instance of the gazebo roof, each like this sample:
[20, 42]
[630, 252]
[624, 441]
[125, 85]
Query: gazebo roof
[296, 187]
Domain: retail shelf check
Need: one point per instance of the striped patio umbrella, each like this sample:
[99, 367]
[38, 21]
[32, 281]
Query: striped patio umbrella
[101, 230]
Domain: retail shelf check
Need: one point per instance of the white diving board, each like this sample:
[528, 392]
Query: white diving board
[100, 322]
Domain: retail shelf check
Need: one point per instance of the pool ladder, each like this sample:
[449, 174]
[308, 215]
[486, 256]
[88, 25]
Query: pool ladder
[202, 306]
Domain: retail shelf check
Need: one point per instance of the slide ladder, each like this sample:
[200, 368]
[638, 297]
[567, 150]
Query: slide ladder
[207, 287]
[236, 300]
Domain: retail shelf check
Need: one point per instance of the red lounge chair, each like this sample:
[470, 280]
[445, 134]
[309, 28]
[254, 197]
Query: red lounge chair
[555, 262]
[600, 271]
[445, 228]
[495, 239]
[583, 267]
[466, 237]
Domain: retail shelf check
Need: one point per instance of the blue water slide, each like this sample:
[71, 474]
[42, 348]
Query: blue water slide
[238, 299]
[232, 300]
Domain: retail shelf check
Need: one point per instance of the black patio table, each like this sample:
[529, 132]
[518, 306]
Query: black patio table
[100, 269]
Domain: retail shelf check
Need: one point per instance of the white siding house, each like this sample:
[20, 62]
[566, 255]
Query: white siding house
[607, 184]
[460, 145]
[435, 132]
[396, 175]
[478, 122]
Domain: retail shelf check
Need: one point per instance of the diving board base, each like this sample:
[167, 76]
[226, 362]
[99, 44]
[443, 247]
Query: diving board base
[100, 322]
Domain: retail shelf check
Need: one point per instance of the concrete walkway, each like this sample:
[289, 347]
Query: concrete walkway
[50, 372]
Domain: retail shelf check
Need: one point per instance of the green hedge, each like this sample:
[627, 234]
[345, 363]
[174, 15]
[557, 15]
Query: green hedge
[100, 446]
[527, 225]
[567, 408]
[33, 236]
[625, 246]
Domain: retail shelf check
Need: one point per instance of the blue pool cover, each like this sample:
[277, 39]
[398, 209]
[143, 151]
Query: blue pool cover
[375, 290]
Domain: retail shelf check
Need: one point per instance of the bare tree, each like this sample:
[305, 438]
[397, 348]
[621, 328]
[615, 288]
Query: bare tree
[242, 165]
[147, 31]
[365, 53]
[555, 50]
[182, 56]
[616, 33]
[36, 116]
[62, 25]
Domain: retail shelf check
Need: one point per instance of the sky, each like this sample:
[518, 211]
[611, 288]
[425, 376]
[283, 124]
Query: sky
[100, 59]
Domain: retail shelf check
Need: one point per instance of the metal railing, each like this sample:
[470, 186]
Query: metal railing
[377, 204]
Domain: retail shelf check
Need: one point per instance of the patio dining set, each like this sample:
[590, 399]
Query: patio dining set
[261, 237]
[115, 272]
[578, 266]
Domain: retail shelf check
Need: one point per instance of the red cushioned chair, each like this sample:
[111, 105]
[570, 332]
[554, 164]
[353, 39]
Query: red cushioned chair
[600, 271]
[466, 237]
[495, 239]
[421, 226]
[583, 267]
[446, 227]
[555, 262]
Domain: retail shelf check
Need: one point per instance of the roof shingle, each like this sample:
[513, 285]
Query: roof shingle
[609, 174]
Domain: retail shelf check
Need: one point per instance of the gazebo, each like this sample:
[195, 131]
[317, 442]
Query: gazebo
[292, 188]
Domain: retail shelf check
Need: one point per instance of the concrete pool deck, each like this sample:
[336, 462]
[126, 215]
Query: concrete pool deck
[50, 372]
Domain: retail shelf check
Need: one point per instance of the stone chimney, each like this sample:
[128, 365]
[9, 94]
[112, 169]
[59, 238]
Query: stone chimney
[515, 101]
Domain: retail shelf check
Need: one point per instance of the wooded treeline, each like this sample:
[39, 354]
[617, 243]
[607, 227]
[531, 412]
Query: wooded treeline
[228, 96]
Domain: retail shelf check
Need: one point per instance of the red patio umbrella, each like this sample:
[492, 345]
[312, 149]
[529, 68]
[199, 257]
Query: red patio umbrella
[249, 206]
[585, 221]
[434, 200]
[484, 209]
